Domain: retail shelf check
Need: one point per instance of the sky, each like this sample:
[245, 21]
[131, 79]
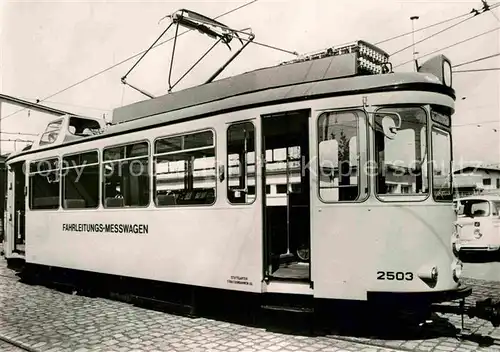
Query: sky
[48, 46]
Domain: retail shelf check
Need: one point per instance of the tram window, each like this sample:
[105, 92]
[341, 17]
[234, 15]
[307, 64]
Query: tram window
[126, 176]
[51, 132]
[402, 156]
[241, 162]
[44, 184]
[441, 165]
[80, 178]
[184, 169]
[338, 156]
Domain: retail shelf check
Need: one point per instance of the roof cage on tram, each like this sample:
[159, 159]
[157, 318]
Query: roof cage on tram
[370, 59]
[205, 25]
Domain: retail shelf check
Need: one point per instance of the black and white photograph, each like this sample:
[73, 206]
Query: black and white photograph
[249, 176]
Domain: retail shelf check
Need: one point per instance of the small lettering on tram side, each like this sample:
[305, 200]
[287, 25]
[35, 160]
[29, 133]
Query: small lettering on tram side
[109, 228]
[239, 280]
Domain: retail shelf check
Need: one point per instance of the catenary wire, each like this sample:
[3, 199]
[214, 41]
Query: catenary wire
[122, 62]
[476, 60]
[478, 70]
[451, 45]
[431, 36]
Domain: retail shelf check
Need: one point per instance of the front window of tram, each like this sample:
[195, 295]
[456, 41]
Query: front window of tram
[401, 153]
[441, 158]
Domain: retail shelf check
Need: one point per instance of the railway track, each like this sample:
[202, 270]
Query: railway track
[9, 345]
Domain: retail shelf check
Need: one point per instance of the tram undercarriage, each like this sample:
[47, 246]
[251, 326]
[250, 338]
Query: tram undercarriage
[195, 301]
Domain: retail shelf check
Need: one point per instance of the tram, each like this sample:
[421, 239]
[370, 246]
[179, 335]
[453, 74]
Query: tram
[325, 178]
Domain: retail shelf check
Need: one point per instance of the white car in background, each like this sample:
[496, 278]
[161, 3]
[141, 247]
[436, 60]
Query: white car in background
[477, 228]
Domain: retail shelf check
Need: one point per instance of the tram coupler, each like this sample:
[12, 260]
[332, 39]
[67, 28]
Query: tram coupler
[486, 309]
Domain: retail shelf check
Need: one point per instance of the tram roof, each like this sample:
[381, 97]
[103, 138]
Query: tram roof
[279, 84]
[328, 76]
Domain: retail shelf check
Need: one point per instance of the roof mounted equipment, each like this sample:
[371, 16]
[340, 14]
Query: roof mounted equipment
[370, 59]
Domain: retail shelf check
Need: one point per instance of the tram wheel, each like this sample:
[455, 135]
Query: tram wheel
[304, 254]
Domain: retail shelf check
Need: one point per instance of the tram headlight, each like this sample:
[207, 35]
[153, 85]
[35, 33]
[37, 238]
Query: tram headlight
[429, 275]
[434, 274]
[447, 73]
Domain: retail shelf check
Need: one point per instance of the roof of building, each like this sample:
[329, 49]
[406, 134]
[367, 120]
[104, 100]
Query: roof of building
[480, 197]
[474, 168]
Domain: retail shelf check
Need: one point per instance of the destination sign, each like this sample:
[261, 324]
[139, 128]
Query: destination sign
[107, 228]
[440, 118]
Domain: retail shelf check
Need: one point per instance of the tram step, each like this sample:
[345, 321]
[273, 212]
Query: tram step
[183, 309]
[63, 287]
[292, 309]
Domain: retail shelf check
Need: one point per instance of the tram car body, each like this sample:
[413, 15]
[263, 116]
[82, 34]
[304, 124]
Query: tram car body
[310, 178]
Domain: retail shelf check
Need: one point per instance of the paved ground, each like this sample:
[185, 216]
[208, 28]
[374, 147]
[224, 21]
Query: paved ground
[482, 267]
[46, 320]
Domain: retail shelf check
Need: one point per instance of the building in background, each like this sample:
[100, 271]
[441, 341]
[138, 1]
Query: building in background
[477, 180]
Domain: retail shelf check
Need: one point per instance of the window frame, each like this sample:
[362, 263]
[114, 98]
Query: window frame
[99, 182]
[47, 132]
[29, 183]
[441, 129]
[359, 113]
[153, 166]
[236, 123]
[408, 197]
[477, 201]
[102, 178]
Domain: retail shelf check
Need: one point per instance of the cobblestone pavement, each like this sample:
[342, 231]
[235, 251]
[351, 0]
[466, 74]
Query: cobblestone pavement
[47, 320]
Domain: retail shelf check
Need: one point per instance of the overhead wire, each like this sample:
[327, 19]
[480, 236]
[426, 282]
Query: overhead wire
[221, 15]
[16, 140]
[423, 28]
[476, 60]
[494, 15]
[123, 61]
[432, 35]
[478, 70]
[476, 123]
[451, 45]
[474, 13]
[19, 133]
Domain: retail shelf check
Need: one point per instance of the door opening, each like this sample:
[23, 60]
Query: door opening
[286, 189]
[19, 207]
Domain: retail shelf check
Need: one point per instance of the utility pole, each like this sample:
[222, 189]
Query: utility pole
[413, 19]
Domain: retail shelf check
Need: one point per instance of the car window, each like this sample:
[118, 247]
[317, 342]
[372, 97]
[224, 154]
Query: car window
[496, 207]
[475, 208]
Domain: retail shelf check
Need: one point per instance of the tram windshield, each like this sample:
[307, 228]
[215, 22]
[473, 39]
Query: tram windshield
[441, 168]
[441, 156]
[401, 153]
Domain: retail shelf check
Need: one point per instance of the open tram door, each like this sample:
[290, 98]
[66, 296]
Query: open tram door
[16, 205]
[286, 200]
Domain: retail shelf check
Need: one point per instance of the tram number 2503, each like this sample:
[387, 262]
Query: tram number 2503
[395, 275]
